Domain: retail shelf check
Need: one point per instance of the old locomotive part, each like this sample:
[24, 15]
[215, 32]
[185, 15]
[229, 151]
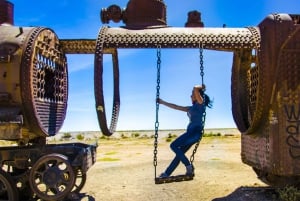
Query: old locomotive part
[33, 104]
[34, 84]
[6, 12]
[138, 14]
[58, 177]
[273, 103]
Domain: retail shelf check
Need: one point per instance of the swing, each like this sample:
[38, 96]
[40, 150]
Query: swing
[177, 178]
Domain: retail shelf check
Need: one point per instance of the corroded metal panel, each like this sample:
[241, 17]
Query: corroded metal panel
[176, 37]
[78, 46]
[34, 82]
[270, 139]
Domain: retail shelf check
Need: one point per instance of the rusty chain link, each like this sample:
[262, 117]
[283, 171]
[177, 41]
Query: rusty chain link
[192, 157]
[158, 66]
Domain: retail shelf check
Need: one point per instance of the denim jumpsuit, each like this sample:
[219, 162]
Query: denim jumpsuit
[192, 135]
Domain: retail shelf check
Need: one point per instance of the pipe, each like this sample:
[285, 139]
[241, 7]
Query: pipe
[6, 12]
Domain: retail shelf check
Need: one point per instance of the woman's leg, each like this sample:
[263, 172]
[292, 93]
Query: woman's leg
[175, 162]
[182, 144]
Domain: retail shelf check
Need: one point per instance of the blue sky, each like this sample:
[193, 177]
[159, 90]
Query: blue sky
[180, 67]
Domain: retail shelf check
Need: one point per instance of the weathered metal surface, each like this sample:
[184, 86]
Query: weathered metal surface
[34, 83]
[33, 104]
[194, 19]
[78, 46]
[265, 100]
[18, 162]
[6, 12]
[139, 14]
[227, 39]
[98, 86]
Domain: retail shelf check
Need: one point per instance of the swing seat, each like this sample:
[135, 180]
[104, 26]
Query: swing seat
[177, 178]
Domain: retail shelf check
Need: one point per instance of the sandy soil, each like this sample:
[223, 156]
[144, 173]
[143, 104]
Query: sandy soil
[124, 171]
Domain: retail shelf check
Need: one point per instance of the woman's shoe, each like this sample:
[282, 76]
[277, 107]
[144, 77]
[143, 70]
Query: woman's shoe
[189, 171]
[163, 175]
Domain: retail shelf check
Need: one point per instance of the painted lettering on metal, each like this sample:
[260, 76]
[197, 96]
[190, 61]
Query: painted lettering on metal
[293, 129]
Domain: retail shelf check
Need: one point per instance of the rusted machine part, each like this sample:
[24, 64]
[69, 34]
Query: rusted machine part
[79, 181]
[81, 46]
[6, 12]
[78, 46]
[240, 88]
[112, 38]
[8, 188]
[194, 19]
[87, 46]
[139, 14]
[254, 75]
[134, 39]
[73, 160]
[227, 39]
[55, 172]
[34, 88]
[270, 84]
[98, 86]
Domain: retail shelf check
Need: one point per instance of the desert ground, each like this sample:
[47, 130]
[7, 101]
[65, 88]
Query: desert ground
[124, 171]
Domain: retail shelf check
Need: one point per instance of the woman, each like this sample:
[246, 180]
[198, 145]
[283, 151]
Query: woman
[194, 129]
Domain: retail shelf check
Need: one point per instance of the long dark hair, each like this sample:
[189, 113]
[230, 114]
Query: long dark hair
[206, 99]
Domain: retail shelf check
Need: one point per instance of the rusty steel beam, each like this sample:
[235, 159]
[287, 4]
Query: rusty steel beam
[226, 39]
[78, 46]
[81, 46]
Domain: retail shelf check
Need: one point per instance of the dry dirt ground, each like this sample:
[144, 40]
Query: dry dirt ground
[124, 171]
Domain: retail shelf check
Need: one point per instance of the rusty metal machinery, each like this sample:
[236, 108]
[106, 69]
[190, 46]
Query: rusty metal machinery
[33, 90]
[265, 79]
[266, 101]
[33, 84]
[33, 104]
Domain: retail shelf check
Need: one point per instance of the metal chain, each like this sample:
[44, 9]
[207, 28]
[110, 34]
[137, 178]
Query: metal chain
[197, 144]
[157, 108]
[201, 62]
[204, 114]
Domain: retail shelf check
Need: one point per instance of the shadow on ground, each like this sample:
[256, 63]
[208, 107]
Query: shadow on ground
[251, 194]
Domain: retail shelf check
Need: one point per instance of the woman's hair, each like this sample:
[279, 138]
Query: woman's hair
[207, 101]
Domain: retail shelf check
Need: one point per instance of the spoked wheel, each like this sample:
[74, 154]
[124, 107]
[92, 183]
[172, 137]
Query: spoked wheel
[52, 177]
[79, 181]
[8, 189]
[20, 177]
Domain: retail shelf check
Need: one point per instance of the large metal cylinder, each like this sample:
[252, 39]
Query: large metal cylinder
[6, 12]
[33, 83]
[265, 100]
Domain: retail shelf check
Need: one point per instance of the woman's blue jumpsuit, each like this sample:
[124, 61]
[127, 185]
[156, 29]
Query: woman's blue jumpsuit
[192, 135]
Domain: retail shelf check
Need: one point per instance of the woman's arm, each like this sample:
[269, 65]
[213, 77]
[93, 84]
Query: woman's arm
[173, 106]
[196, 93]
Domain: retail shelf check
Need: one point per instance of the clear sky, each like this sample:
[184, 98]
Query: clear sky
[80, 19]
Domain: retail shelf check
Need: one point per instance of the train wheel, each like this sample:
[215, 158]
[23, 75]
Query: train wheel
[8, 189]
[52, 177]
[80, 181]
[20, 177]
